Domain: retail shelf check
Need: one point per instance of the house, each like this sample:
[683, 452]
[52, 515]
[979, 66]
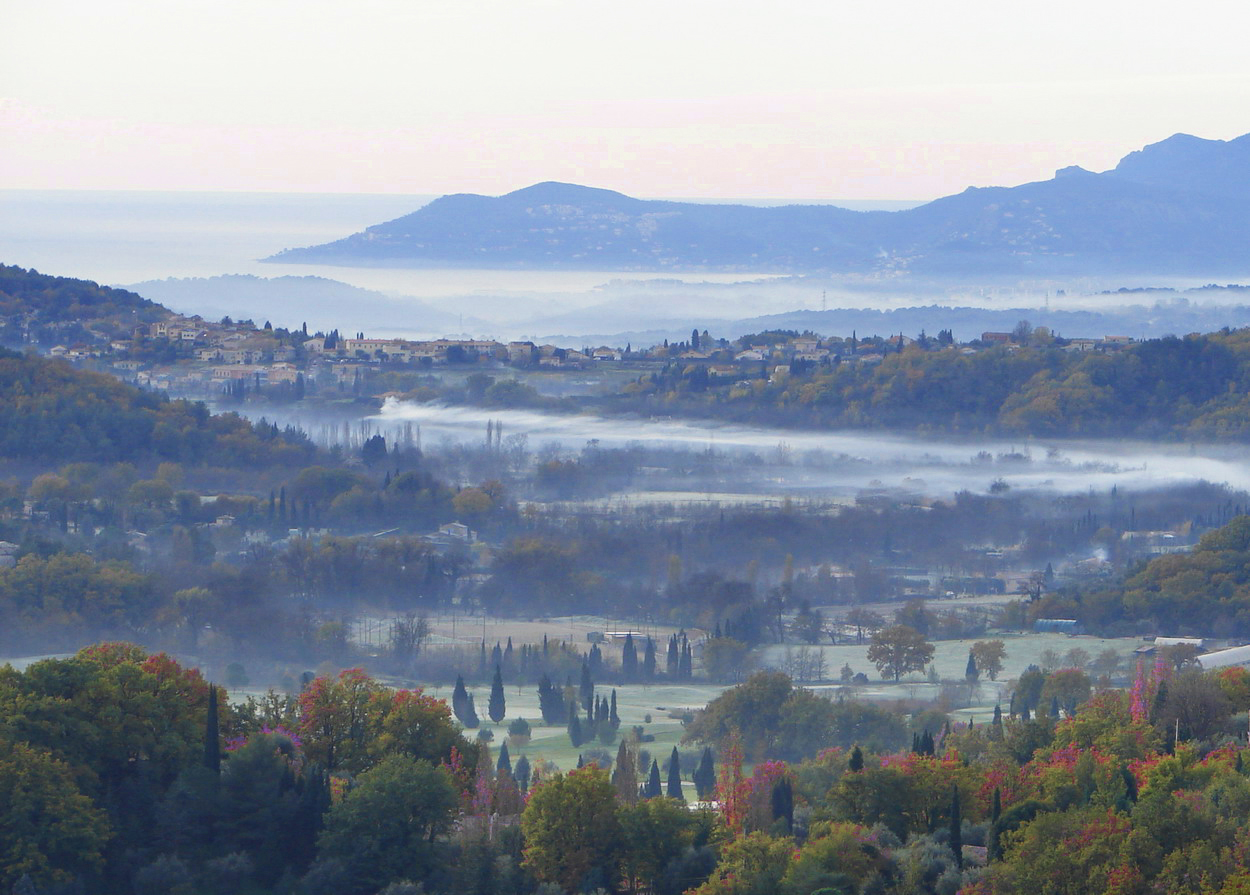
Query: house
[751, 354]
[996, 338]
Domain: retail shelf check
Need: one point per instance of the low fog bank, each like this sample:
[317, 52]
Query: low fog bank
[840, 464]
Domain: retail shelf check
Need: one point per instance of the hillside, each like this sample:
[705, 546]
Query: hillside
[43, 309]
[51, 412]
[1174, 206]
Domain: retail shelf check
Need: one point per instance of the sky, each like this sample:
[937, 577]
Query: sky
[793, 99]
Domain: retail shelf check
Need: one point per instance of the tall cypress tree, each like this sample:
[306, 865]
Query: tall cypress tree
[648, 661]
[505, 760]
[704, 775]
[957, 834]
[971, 672]
[672, 666]
[783, 802]
[996, 810]
[612, 715]
[471, 719]
[459, 699]
[575, 727]
[674, 777]
[497, 707]
[629, 659]
[522, 773]
[654, 789]
[625, 774]
[212, 744]
[587, 690]
[685, 665]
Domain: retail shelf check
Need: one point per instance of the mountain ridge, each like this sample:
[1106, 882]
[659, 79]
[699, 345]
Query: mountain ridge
[1179, 205]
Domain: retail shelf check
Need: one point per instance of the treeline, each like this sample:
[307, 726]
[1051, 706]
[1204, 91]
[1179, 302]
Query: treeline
[351, 788]
[1189, 388]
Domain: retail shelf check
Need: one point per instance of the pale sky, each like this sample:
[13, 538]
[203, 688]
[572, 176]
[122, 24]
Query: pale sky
[791, 99]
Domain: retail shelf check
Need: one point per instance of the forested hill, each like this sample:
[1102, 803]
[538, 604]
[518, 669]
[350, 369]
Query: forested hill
[1174, 206]
[50, 412]
[1196, 387]
[43, 309]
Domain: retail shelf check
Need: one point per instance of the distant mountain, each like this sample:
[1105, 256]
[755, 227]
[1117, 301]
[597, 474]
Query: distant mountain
[1178, 206]
[288, 301]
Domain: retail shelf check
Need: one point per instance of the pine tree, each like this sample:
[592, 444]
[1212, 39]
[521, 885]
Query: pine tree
[856, 764]
[505, 760]
[212, 744]
[497, 707]
[654, 789]
[648, 661]
[674, 777]
[957, 836]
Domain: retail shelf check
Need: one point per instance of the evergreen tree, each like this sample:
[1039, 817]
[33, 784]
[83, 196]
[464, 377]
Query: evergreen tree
[1054, 707]
[674, 658]
[496, 655]
[957, 836]
[212, 744]
[587, 690]
[522, 773]
[551, 702]
[613, 717]
[625, 774]
[992, 835]
[998, 721]
[674, 777]
[654, 788]
[471, 719]
[704, 775]
[856, 764]
[970, 672]
[648, 661]
[575, 727]
[459, 700]
[629, 659]
[496, 708]
[595, 660]
[505, 760]
[783, 801]
[686, 663]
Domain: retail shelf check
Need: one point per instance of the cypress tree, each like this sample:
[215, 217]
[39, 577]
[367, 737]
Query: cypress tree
[587, 690]
[971, 672]
[612, 715]
[625, 775]
[1054, 706]
[674, 777]
[459, 699]
[470, 713]
[856, 764]
[629, 659]
[957, 835]
[496, 655]
[595, 660]
[575, 727]
[551, 702]
[648, 661]
[505, 760]
[674, 658]
[686, 663]
[704, 775]
[783, 802]
[212, 745]
[992, 846]
[581, 762]
[497, 707]
[998, 720]
[522, 773]
[654, 789]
